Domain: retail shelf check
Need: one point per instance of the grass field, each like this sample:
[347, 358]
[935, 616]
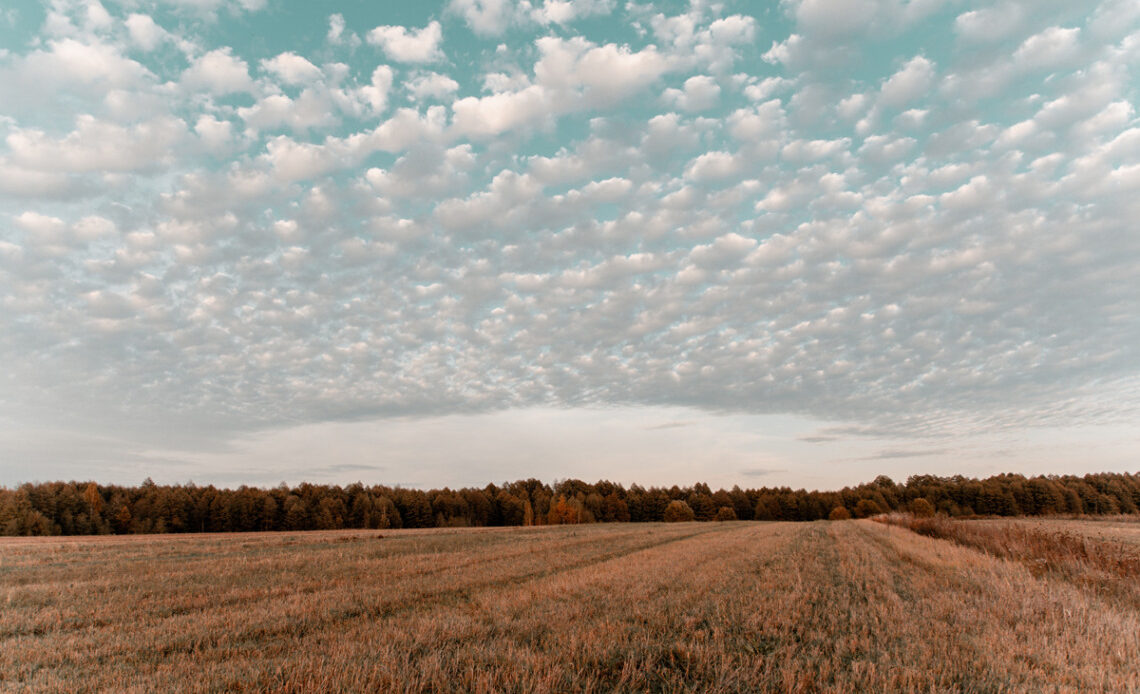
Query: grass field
[713, 607]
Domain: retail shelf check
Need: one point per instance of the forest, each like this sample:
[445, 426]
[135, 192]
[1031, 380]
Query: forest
[88, 508]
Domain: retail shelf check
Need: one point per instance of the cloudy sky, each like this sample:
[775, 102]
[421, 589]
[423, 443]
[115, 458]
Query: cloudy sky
[801, 242]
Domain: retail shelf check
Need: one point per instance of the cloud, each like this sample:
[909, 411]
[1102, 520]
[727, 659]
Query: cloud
[219, 72]
[308, 111]
[409, 45]
[908, 84]
[490, 18]
[291, 68]
[144, 32]
[77, 67]
[1053, 46]
[432, 85]
[989, 24]
[894, 453]
[567, 11]
[486, 17]
[761, 471]
[668, 425]
[96, 145]
[498, 113]
[699, 93]
[650, 216]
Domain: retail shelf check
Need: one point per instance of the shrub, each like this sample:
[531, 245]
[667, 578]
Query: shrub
[921, 508]
[867, 507]
[725, 513]
[839, 513]
[678, 511]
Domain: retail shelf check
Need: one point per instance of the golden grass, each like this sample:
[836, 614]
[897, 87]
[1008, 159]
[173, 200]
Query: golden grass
[688, 607]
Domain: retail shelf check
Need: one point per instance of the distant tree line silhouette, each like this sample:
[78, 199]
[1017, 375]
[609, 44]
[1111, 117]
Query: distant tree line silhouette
[83, 508]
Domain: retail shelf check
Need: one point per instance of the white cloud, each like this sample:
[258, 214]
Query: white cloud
[295, 161]
[409, 46]
[699, 93]
[144, 32]
[814, 150]
[375, 94]
[96, 145]
[712, 166]
[991, 23]
[310, 110]
[908, 84]
[36, 223]
[567, 11]
[218, 72]
[570, 75]
[291, 68]
[606, 73]
[216, 135]
[486, 17]
[498, 113]
[1050, 48]
[431, 85]
[494, 17]
[336, 28]
[83, 67]
[830, 18]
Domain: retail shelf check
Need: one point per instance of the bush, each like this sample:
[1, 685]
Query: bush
[921, 508]
[839, 513]
[867, 507]
[725, 513]
[678, 511]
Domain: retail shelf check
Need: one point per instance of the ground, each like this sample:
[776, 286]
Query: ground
[689, 607]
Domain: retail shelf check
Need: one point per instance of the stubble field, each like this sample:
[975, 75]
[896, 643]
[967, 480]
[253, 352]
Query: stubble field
[711, 607]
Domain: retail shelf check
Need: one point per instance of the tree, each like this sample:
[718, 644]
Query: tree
[678, 511]
[767, 508]
[614, 509]
[123, 519]
[704, 508]
[565, 511]
[867, 507]
[725, 513]
[93, 498]
[839, 513]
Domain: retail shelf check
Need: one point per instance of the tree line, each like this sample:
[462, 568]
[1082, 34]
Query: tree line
[88, 508]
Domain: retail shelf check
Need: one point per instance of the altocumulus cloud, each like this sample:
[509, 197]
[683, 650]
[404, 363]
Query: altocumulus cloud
[490, 205]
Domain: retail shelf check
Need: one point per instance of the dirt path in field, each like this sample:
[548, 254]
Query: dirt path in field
[732, 607]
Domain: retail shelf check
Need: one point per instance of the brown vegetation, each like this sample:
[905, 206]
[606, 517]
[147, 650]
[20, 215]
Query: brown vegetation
[683, 607]
[74, 508]
[1075, 550]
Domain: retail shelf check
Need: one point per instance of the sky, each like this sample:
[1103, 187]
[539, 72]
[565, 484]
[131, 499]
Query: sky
[794, 243]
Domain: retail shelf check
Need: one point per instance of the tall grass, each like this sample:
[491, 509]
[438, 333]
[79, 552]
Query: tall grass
[1048, 549]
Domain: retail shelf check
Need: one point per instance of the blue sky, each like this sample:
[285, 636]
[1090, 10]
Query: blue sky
[795, 243]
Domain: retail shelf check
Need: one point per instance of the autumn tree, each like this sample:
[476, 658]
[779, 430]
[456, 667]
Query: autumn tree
[839, 513]
[678, 511]
[565, 511]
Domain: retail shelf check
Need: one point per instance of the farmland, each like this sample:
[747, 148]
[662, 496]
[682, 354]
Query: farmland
[719, 607]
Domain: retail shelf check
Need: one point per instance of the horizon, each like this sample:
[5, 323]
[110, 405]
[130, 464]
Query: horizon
[759, 244]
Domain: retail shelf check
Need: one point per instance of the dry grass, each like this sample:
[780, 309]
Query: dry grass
[1101, 555]
[726, 607]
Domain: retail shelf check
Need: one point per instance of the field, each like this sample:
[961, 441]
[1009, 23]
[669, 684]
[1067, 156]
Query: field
[688, 607]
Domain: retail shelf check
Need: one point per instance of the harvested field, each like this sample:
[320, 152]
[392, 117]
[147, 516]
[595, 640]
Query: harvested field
[687, 607]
